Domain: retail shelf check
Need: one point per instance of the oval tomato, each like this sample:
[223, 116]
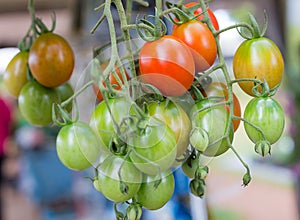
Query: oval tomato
[15, 75]
[35, 103]
[51, 60]
[77, 146]
[214, 121]
[201, 42]
[267, 114]
[105, 119]
[109, 181]
[258, 58]
[112, 80]
[219, 91]
[198, 11]
[153, 147]
[152, 197]
[176, 118]
[168, 65]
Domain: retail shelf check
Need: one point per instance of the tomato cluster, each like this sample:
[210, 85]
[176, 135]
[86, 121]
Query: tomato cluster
[157, 108]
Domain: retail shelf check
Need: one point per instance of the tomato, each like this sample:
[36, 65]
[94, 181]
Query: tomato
[214, 121]
[201, 42]
[51, 60]
[219, 90]
[153, 147]
[152, 197]
[64, 92]
[77, 146]
[176, 118]
[35, 103]
[168, 65]
[267, 114]
[104, 117]
[198, 11]
[190, 166]
[15, 75]
[110, 182]
[112, 80]
[258, 58]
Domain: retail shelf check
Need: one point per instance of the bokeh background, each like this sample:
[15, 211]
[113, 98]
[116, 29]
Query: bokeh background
[36, 185]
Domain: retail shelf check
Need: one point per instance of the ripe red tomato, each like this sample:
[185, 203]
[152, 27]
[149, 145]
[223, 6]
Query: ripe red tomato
[201, 42]
[51, 60]
[219, 90]
[167, 64]
[209, 11]
[258, 58]
[112, 79]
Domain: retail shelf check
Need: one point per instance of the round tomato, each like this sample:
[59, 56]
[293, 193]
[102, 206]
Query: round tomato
[267, 114]
[201, 42]
[35, 103]
[51, 60]
[77, 146]
[154, 197]
[214, 121]
[64, 92]
[15, 75]
[198, 11]
[258, 58]
[153, 147]
[218, 90]
[112, 80]
[176, 118]
[167, 64]
[106, 119]
[110, 183]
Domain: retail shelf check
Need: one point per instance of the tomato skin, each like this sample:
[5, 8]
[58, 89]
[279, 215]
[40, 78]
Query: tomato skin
[155, 198]
[51, 60]
[64, 92]
[201, 42]
[176, 118]
[15, 75]
[198, 11]
[258, 58]
[77, 146]
[109, 181]
[167, 64]
[218, 89]
[214, 122]
[268, 115]
[35, 103]
[101, 120]
[154, 148]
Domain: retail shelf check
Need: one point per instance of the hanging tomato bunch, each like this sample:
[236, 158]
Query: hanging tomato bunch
[158, 108]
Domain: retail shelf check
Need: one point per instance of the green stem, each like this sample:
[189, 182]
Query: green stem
[32, 14]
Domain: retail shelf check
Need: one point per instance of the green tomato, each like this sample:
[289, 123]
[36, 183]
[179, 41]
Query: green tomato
[267, 114]
[77, 146]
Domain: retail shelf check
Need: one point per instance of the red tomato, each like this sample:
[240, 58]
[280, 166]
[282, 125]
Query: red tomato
[167, 64]
[201, 42]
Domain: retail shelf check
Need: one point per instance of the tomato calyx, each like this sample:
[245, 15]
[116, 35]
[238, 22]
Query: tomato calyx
[134, 211]
[263, 90]
[198, 187]
[263, 147]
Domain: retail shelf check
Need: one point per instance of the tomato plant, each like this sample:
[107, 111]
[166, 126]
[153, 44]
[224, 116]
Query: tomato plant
[219, 91]
[51, 60]
[154, 197]
[258, 58]
[112, 80]
[167, 64]
[267, 114]
[118, 179]
[176, 118]
[15, 75]
[214, 121]
[77, 146]
[201, 42]
[35, 103]
[154, 147]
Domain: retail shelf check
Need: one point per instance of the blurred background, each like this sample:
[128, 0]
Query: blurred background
[36, 186]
